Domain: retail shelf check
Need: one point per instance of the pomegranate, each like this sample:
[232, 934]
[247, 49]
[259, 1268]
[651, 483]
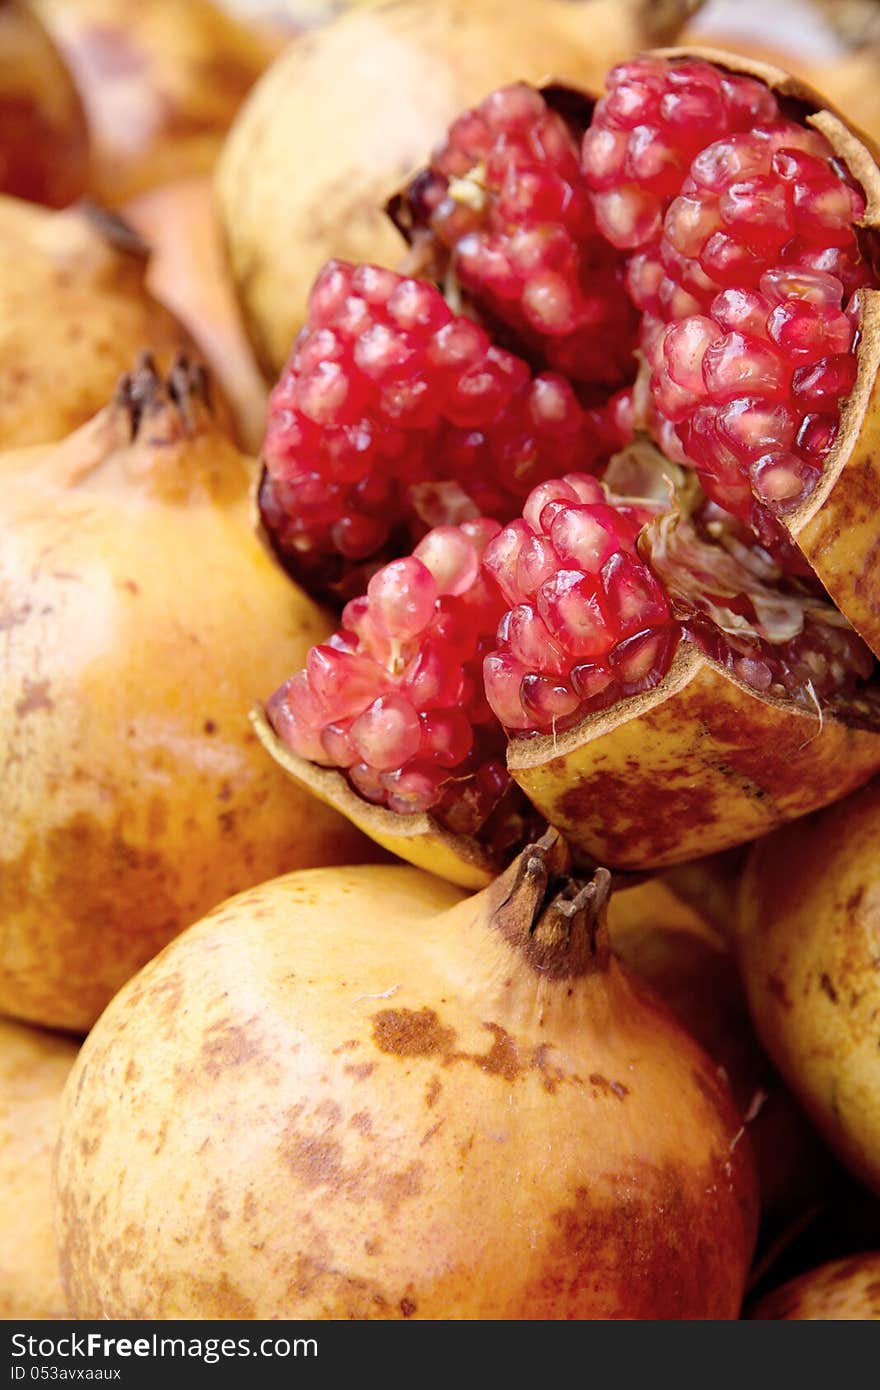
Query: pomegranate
[187, 273]
[440, 1107]
[82, 272]
[807, 946]
[44, 147]
[34, 1066]
[664, 620]
[841, 1290]
[689, 963]
[140, 617]
[311, 159]
[160, 82]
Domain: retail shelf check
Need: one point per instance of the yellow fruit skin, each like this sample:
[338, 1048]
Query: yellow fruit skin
[74, 312]
[312, 158]
[696, 765]
[846, 1290]
[807, 934]
[34, 1066]
[328, 1102]
[160, 81]
[140, 618]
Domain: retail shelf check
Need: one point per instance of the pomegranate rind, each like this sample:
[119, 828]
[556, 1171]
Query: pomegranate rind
[140, 619]
[807, 932]
[835, 527]
[845, 1290]
[415, 1116]
[310, 160]
[418, 839]
[698, 764]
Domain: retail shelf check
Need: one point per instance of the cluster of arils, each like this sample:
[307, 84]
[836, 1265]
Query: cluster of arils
[598, 458]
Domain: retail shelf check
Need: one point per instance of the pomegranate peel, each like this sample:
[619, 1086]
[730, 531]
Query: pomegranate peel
[418, 839]
[437, 1106]
[700, 763]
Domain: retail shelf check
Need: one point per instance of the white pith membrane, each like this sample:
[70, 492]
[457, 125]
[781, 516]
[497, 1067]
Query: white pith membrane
[779, 634]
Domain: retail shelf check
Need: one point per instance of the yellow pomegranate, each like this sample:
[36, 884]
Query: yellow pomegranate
[74, 313]
[187, 273]
[34, 1066]
[845, 1290]
[357, 1093]
[139, 616]
[160, 81]
[807, 946]
[43, 138]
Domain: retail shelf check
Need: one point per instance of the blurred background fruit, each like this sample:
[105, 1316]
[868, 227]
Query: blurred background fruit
[34, 1066]
[43, 136]
[160, 81]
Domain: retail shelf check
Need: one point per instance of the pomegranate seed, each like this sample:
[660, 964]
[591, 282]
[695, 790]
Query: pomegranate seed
[505, 202]
[553, 646]
[416, 420]
[397, 694]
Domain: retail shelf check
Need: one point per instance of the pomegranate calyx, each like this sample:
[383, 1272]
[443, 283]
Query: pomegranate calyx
[145, 394]
[557, 921]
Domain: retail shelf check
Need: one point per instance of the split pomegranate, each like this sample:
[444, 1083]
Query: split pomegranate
[661, 621]
[311, 159]
[504, 197]
[401, 1102]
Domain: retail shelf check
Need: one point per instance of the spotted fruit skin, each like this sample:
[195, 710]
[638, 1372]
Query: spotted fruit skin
[806, 943]
[377, 1081]
[136, 794]
[34, 1065]
[79, 271]
[723, 763]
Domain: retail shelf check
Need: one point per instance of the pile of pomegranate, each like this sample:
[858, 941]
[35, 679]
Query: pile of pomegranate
[440, 623]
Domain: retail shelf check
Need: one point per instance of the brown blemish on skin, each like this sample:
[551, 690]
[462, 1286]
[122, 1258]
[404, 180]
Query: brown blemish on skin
[643, 1243]
[227, 1045]
[429, 1133]
[318, 1160]
[408, 1307]
[348, 1046]
[612, 1088]
[827, 987]
[362, 1122]
[432, 1091]
[779, 990]
[35, 696]
[407, 1033]
[360, 1070]
[854, 901]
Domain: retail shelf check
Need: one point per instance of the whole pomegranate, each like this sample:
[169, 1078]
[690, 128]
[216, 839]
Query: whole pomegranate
[845, 1290]
[44, 145]
[81, 271]
[807, 947]
[34, 1066]
[187, 273]
[643, 594]
[399, 1102]
[160, 81]
[140, 616]
[690, 964]
[347, 112]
